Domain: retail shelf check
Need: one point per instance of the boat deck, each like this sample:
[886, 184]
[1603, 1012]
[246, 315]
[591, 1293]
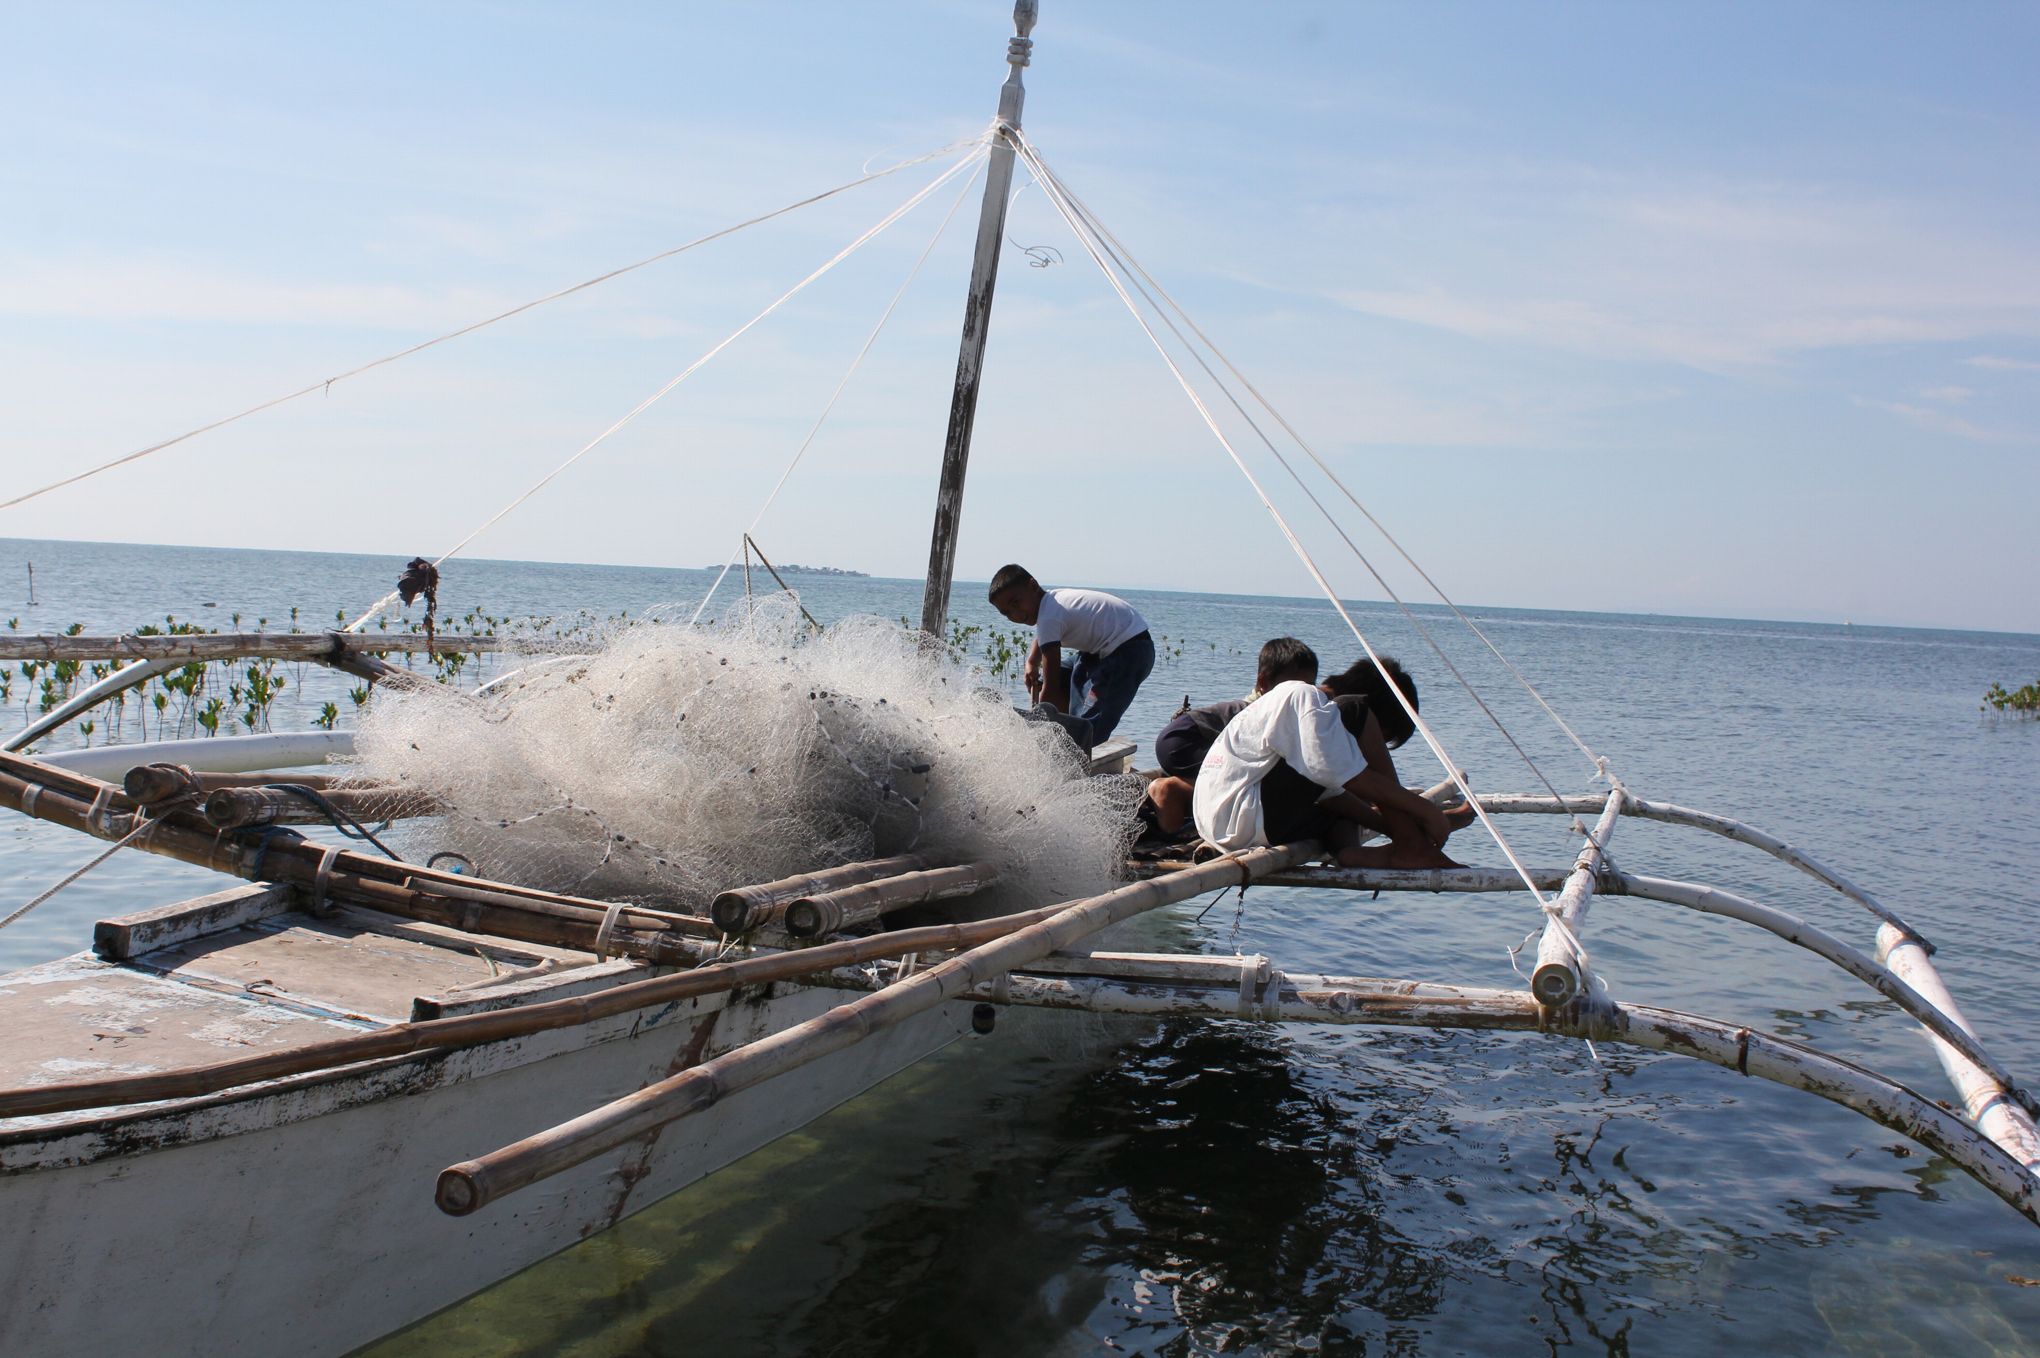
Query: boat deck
[239, 973]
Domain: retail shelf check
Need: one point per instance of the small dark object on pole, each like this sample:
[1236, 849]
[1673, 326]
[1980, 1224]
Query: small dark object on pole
[421, 577]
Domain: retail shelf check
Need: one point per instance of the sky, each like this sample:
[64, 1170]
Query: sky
[1702, 309]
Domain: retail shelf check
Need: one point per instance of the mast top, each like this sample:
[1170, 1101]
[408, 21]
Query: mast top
[1018, 53]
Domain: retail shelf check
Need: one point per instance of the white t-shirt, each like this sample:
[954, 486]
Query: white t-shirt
[1086, 620]
[1291, 721]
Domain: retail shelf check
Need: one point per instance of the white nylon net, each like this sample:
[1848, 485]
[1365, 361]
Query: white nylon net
[675, 763]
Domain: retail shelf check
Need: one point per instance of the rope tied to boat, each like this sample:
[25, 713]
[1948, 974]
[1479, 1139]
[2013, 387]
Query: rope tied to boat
[143, 819]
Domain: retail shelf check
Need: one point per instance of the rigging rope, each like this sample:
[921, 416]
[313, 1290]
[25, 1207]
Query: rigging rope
[1051, 190]
[837, 395]
[143, 824]
[1599, 763]
[325, 384]
[976, 152]
[1136, 273]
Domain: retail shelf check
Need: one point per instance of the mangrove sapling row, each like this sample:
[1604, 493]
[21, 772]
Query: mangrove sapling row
[2020, 702]
[222, 689]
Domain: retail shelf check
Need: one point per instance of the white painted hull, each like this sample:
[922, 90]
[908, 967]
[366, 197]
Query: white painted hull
[300, 1220]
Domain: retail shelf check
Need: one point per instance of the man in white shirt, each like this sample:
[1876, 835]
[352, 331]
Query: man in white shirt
[1114, 652]
[1289, 768]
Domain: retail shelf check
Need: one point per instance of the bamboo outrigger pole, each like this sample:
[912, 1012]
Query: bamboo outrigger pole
[472, 1184]
[977, 323]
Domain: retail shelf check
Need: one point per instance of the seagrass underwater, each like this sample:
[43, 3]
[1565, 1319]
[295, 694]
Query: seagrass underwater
[1068, 1183]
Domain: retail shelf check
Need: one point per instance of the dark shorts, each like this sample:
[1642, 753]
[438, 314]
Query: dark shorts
[1180, 748]
[1102, 687]
[1290, 809]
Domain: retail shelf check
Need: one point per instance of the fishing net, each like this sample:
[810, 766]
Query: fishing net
[676, 762]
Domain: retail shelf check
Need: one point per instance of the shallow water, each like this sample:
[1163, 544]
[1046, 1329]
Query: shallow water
[1069, 1184]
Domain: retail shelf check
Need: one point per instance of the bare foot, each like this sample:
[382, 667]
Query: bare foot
[1403, 856]
[1459, 815]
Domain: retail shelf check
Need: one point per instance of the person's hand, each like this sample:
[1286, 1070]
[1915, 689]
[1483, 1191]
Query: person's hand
[1437, 825]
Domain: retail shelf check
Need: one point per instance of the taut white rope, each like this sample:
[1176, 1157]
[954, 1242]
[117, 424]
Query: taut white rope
[641, 407]
[1135, 274]
[1051, 191]
[327, 382]
[1600, 764]
[837, 395]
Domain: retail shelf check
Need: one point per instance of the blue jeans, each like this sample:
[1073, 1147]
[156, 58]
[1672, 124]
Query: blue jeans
[1101, 688]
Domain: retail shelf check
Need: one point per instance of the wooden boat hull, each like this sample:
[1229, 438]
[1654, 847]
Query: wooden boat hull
[299, 1218]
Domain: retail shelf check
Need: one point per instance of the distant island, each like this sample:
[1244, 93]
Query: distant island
[809, 570]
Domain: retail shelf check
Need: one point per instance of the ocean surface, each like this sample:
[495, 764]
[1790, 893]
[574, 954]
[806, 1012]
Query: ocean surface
[1072, 1185]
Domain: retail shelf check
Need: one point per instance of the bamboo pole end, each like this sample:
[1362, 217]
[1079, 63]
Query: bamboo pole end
[459, 1191]
[1555, 984]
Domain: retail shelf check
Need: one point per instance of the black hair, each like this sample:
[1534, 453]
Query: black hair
[1362, 680]
[1285, 658]
[1008, 577]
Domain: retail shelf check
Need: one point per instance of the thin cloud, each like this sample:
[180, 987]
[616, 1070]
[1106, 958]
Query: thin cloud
[1942, 422]
[1997, 364]
[1953, 396]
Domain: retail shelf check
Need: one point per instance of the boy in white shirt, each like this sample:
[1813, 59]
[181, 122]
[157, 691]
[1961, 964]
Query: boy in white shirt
[1114, 652]
[1289, 768]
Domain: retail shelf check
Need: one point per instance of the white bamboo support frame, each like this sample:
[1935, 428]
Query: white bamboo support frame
[1395, 1003]
[1725, 826]
[1984, 1096]
[209, 754]
[1559, 977]
[472, 1184]
[1941, 1021]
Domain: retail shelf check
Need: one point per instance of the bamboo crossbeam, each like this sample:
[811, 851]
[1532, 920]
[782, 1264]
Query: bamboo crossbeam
[828, 911]
[147, 783]
[1557, 980]
[572, 909]
[68, 799]
[468, 1186]
[743, 908]
[1725, 826]
[186, 647]
[1989, 1103]
[1322, 877]
[232, 808]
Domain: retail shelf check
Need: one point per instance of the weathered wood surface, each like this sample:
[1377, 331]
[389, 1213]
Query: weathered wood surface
[193, 646]
[77, 1019]
[475, 1029]
[117, 940]
[468, 1186]
[826, 912]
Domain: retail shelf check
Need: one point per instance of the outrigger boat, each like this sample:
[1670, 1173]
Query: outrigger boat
[304, 1111]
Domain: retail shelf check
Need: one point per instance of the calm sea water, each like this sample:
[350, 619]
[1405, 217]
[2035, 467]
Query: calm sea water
[1070, 1185]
